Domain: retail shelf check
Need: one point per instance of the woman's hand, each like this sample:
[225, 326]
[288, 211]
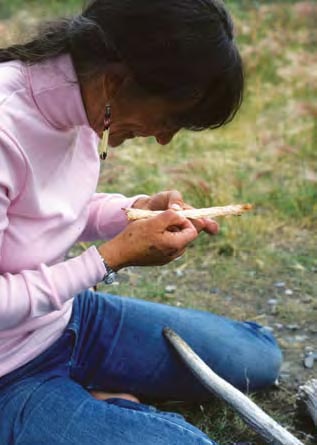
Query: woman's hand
[150, 242]
[173, 200]
[161, 201]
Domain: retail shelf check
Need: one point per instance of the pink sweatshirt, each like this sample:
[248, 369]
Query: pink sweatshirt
[49, 168]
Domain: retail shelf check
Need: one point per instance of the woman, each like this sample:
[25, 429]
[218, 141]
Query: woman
[142, 67]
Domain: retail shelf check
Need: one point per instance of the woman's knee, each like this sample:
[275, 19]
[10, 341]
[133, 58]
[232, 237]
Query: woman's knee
[243, 353]
[273, 359]
[260, 358]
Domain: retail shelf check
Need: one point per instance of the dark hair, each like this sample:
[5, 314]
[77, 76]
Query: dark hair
[178, 49]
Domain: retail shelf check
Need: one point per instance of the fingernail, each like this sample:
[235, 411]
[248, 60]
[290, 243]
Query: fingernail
[176, 207]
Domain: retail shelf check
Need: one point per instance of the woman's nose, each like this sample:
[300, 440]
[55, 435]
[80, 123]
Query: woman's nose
[165, 137]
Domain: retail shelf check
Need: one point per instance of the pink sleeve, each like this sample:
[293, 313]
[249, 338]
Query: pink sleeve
[106, 217]
[32, 293]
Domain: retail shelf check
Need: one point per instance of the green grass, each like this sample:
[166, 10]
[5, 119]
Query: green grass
[52, 7]
[268, 157]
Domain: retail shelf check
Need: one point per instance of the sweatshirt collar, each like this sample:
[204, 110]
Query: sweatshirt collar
[56, 92]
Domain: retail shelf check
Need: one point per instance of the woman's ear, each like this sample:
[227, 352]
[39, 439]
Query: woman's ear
[115, 77]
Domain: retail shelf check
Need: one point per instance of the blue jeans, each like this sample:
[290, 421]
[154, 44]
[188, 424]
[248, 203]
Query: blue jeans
[116, 344]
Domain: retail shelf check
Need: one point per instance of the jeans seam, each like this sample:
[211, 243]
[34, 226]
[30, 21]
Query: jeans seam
[116, 336]
[31, 393]
[161, 418]
[73, 362]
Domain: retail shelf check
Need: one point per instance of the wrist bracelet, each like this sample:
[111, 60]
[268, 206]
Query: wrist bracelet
[110, 275]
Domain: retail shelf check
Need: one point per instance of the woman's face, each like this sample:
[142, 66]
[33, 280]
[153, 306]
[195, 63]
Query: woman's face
[151, 117]
[133, 116]
[133, 113]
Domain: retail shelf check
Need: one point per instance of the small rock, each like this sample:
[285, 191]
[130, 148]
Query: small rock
[307, 299]
[273, 306]
[179, 273]
[280, 284]
[272, 301]
[292, 327]
[170, 288]
[215, 290]
[289, 292]
[301, 338]
[313, 330]
[309, 360]
[278, 326]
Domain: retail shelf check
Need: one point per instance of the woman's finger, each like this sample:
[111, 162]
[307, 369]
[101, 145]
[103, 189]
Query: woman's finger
[199, 224]
[178, 230]
[211, 226]
[207, 225]
[175, 200]
[170, 199]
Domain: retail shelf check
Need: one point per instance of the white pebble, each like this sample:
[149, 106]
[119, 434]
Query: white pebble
[170, 289]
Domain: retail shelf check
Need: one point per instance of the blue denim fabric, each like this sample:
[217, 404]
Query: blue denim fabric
[116, 344]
